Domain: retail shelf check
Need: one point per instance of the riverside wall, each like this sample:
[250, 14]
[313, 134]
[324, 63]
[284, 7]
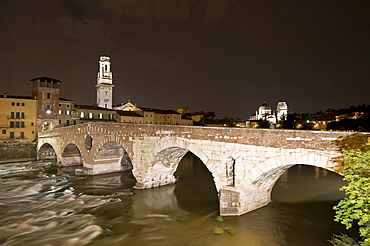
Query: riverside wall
[15, 152]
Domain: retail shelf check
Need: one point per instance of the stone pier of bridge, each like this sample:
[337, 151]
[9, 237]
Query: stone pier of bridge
[245, 163]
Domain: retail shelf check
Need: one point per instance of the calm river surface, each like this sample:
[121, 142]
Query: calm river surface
[41, 205]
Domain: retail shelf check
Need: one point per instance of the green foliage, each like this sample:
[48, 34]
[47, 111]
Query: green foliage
[343, 240]
[218, 230]
[220, 219]
[230, 230]
[352, 142]
[355, 208]
[53, 165]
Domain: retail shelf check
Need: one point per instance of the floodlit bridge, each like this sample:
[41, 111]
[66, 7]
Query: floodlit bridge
[245, 163]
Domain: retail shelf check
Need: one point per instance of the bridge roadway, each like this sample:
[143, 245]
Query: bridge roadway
[245, 163]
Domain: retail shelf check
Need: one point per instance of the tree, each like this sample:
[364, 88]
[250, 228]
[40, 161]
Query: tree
[355, 208]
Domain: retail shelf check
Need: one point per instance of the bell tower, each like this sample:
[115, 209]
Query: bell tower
[104, 84]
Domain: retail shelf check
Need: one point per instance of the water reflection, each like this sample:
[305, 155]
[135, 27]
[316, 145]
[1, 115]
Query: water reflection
[43, 205]
[195, 189]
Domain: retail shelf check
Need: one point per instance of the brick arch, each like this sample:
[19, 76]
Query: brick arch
[111, 152]
[111, 138]
[263, 176]
[46, 152]
[71, 155]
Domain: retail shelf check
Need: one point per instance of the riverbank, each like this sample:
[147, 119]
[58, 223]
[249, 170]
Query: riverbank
[17, 152]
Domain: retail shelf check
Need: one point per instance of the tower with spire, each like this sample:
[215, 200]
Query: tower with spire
[104, 84]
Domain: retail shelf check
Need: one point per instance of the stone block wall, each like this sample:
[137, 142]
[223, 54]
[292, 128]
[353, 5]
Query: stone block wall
[14, 152]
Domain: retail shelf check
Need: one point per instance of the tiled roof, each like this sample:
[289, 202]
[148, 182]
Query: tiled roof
[92, 107]
[129, 113]
[46, 78]
[19, 97]
[159, 111]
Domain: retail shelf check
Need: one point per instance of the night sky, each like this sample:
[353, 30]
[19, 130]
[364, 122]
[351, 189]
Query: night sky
[226, 56]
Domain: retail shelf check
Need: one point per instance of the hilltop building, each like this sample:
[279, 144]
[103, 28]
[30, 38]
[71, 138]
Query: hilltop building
[266, 113]
[281, 111]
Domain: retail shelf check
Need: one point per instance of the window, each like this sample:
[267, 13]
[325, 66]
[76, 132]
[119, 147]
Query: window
[67, 122]
[13, 103]
[18, 104]
[11, 135]
[23, 104]
[21, 135]
[22, 115]
[60, 122]
[68, 112]
[32, 123]
[67, 105]
[100, 116]
[74, 122]
[11, 124]
[17, 115]
[48, 95]
[82, 114]
[22, 124]
[33, 132]
[60, 105]
[60, 111]
[12, 115]
[17, 124]
[90, 115]
[4, 131]
[48, 106]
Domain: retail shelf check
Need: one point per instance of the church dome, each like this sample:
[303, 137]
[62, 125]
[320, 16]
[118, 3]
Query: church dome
[264, 106]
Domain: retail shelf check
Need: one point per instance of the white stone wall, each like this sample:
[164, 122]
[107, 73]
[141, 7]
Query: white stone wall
[244, 174]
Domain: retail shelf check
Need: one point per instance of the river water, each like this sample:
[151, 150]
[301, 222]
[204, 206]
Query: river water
[41, 204]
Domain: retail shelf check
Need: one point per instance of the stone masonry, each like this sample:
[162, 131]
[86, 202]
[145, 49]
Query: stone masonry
[245, 163]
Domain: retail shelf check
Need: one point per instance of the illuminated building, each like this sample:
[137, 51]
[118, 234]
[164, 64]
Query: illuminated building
[17, 118]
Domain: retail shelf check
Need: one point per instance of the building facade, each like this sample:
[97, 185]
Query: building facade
[155, 116]
[17, 118]
[88, 113]
[21, 117]
[46, 92]
[281, 111]
[265, 113]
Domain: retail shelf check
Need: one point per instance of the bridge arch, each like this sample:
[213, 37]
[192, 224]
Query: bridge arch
[71, 156]
[263, 176]
[46, 152]
[114, 155]
[166, 157]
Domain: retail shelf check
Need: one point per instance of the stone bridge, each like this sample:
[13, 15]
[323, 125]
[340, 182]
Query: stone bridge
[245, 163]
